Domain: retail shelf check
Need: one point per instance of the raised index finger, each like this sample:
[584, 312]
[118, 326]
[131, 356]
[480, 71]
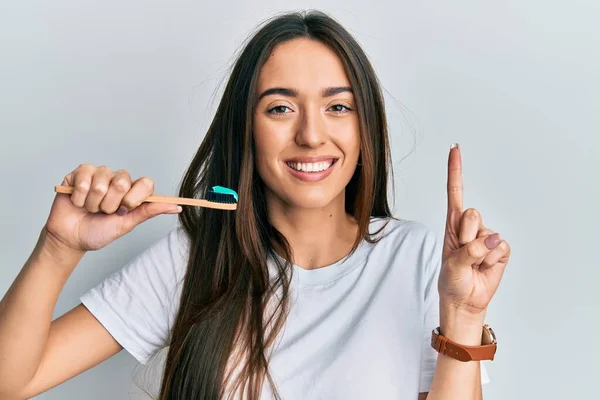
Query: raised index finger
[455, 182]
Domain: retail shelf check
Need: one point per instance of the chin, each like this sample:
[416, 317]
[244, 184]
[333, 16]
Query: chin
[312, 199]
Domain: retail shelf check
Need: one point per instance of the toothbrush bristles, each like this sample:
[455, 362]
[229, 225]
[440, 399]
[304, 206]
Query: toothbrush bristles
[220, 197]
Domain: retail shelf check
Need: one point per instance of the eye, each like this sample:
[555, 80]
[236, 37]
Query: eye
[278, 110]
[340, 109]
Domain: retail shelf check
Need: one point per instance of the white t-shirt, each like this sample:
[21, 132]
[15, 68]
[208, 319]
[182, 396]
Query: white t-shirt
[357, 329]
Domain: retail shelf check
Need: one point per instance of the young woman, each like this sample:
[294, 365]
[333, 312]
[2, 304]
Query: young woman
[310, 290]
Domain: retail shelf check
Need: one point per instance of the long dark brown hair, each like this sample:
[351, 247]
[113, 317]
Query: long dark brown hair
[229, 315]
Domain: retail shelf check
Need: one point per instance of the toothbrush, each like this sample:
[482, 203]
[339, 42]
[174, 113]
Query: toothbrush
[217, 197]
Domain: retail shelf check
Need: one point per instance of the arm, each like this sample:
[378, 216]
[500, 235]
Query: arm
[473, 261]
[454, 379]
[36, 353]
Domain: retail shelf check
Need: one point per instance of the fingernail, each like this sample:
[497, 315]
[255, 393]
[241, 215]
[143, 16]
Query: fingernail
[493, 240]
[122, 211]
[175, 211]
[453, 145]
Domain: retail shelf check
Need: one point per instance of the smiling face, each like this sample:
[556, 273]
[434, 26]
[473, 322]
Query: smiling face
[306, 129]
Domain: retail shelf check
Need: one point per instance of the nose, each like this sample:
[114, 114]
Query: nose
[312, 130]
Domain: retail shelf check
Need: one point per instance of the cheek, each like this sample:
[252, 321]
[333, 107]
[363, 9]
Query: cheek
[268, 145]
[261, 156]
[348, 141]
[261, 141]
[354, 148]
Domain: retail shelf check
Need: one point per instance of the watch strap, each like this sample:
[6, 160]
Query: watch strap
[485, 351]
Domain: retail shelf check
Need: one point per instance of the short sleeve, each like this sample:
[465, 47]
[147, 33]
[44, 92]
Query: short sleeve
[138, 303]
[432, 315]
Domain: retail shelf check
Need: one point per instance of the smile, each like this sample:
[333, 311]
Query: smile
[311, 169]
[311, 166]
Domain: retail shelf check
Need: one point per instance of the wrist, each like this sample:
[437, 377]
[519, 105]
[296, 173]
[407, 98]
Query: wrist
[49, 247]
[461, 326]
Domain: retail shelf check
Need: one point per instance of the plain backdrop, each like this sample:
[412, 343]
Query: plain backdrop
[134, 84]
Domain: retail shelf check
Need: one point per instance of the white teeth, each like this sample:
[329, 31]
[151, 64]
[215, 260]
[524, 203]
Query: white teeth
[310, 167]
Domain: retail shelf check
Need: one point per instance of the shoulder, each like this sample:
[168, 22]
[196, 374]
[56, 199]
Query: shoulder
[398, 231]
[177, 241]
[162, 263]
[172, 246]
[172, 251]
[404, 243]
[138, 303]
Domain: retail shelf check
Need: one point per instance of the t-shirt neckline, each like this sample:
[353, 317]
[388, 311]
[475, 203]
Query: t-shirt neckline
[332, 271]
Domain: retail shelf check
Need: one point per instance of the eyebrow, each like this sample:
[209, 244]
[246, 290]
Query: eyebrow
[291, 92]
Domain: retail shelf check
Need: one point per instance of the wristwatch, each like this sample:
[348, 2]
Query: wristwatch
[445, 346]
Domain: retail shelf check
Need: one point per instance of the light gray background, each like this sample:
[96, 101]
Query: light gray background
[129, 85]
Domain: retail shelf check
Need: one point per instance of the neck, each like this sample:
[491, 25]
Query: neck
[317, 237]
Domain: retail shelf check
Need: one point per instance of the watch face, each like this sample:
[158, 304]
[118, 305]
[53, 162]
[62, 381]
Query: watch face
[489, 337]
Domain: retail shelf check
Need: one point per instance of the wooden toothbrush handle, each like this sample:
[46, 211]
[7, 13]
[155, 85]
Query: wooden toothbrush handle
[167, 199]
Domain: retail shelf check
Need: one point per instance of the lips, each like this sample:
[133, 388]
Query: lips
[311, 169]
[317, 166]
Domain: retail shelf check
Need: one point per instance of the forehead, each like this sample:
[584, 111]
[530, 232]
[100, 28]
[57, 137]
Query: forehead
[304, 64]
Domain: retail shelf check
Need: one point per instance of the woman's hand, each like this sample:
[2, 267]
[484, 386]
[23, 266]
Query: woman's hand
[473, 258]
[104, 206]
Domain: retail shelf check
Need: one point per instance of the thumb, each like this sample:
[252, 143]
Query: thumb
[148, 210]
[475, 251]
